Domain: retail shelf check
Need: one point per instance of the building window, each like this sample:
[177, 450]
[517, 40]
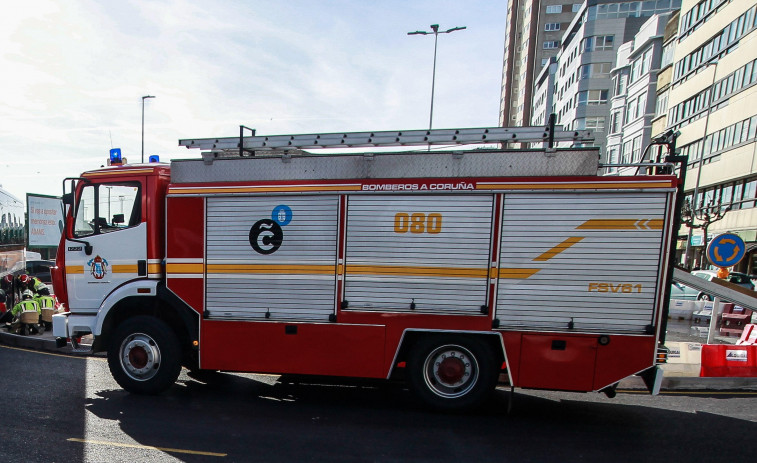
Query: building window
[632, 9]
[720, 42]
[552, 9]
[636, 149]
[551, 44]
[552, 27]
[544, 61]
[641, 65]
[620, 84]
[592, 97]
[630, 110]
[641, 105]
[667, 54]
[595, 122]
[662, 104]
[595, 70]
[575, 7]
[615, 118]
[626, 153]
[598, 43]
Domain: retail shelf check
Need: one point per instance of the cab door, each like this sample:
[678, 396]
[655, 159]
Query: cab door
[106, 245]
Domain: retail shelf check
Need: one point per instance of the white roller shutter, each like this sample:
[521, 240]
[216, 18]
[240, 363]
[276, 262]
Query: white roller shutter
[296, 281]
[432, 251]
[591, 259]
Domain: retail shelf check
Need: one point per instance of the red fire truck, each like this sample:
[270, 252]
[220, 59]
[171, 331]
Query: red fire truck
[447, 268]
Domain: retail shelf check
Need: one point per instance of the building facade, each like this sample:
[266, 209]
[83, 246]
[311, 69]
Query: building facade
[632, 107]
[712, 101]
[533, 35]
[587, 55]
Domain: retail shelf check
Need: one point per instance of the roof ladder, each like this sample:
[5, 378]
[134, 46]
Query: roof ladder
[389, 138]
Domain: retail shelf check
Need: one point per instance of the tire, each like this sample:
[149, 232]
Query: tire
[144, 355]
[451, 373]
[704, 297]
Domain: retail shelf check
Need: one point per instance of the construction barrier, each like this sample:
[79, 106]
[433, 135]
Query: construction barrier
[729, 361]
[748, 336]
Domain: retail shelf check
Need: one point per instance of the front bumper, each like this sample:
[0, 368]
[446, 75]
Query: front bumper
[66, 325]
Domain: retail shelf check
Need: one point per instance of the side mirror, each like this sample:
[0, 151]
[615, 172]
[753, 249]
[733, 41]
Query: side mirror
[118, 218]
[68, 199]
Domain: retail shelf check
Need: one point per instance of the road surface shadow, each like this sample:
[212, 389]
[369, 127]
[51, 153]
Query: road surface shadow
[256, 419]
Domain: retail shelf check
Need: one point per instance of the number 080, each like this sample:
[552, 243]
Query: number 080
[417, 222]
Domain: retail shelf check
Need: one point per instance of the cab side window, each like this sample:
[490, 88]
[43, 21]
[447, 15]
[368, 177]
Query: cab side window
[106, 208]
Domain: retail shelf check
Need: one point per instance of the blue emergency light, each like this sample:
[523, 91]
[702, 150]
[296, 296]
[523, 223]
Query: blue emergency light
[154, 158]
[115, 156]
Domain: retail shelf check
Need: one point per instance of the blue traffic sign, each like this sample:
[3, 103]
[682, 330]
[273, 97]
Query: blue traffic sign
[726, 250]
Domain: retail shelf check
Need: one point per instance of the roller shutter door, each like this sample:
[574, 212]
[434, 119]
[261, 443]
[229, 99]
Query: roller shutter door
[430, 251]
[294, 281]
[591, 259]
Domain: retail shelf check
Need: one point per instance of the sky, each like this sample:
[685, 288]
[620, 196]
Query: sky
[73, 73]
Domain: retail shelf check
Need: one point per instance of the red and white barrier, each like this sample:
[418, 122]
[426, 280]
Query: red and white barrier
[729, 361]
[748, 336]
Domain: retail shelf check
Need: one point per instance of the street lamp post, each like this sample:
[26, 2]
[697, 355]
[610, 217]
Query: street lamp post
[436, 32]
[143, 125]
[694, 198]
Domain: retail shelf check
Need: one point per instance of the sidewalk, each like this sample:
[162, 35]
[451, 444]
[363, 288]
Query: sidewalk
[681, 373]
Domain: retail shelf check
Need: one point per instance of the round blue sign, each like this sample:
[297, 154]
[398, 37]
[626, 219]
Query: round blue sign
[282, 215]
[726, 250]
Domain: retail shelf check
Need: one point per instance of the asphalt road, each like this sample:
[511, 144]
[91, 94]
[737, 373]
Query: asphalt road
[69, 409]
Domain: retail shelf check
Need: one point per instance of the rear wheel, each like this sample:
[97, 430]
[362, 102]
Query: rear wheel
[451, 373]
[145, 355]
[704, 297]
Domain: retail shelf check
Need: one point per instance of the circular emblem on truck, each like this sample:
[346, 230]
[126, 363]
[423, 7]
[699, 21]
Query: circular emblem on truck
[282, 215]
[266, 236]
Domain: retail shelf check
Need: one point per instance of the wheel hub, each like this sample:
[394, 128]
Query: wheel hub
[140, 357]
[450, 371]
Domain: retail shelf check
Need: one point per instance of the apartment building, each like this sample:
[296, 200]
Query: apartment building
[632, 105]
[533, 35]
[587, 55]
[712, 101]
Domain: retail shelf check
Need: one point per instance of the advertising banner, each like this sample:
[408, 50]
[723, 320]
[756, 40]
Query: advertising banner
[45, 215]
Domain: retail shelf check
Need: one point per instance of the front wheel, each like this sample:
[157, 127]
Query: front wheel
[452, 373]
[144, 355]
[704, 297]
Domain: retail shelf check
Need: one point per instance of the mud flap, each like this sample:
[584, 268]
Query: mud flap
[652, 379]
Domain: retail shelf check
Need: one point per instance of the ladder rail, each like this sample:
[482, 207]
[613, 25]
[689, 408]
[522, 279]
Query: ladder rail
[467, 136]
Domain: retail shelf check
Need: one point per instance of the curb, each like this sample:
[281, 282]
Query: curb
[43, 343]
[692, 383]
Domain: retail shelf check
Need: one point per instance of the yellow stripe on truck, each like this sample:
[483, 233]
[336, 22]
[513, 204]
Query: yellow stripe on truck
[275, 269]
[185, 268]
[387, 270]
[621, 224]
[124, 268]
[397, 270]
[559, 248]
[517, 273]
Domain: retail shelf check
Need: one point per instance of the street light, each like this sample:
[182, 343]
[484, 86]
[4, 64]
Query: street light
[694, 202]
[436, 32]
[143, 125]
